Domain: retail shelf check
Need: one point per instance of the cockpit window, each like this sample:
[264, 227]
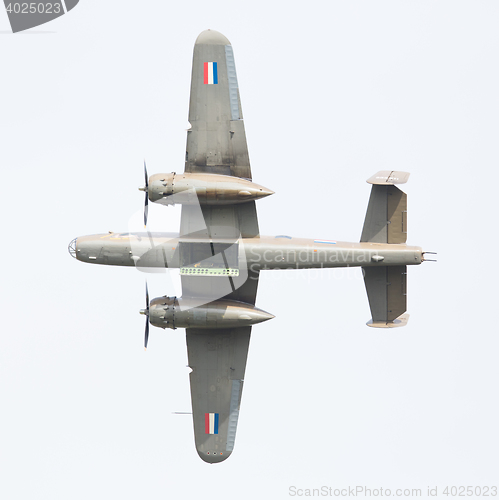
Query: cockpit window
[72, 248]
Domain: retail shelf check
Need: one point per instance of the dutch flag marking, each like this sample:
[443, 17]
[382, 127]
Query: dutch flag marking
[210, 73]
[211, 423]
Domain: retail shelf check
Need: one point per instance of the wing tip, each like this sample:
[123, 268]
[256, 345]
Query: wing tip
[213, 457]
[211, 37]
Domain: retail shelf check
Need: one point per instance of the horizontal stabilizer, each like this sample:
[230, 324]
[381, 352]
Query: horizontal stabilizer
[386, 217]
[389, 178]
[386, 288]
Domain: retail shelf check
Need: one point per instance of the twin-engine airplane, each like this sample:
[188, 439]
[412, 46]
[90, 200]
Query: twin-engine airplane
[220, 251]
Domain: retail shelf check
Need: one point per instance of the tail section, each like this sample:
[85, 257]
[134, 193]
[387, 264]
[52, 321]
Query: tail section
[386, 222]
[386, 288]
[386, 217]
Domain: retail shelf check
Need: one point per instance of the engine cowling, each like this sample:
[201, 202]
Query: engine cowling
[205, 189]
[175, 312]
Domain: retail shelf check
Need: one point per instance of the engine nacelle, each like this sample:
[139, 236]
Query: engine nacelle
[205, 189]
[173, 312]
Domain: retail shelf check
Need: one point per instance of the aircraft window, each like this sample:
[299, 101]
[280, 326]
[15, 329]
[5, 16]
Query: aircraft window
[72, 248]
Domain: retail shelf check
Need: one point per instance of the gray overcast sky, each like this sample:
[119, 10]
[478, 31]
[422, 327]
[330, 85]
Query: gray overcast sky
[331, 92]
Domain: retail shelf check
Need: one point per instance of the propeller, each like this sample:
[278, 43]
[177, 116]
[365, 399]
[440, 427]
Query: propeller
[145, 189]
[145, 312]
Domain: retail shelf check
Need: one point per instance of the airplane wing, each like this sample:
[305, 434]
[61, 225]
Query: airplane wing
[218, 361]
[216, 143]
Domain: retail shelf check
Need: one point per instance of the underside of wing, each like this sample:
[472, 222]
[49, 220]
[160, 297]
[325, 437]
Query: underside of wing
[216, 141]
[218, 361]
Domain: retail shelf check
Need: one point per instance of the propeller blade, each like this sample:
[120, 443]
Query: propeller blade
[146, 209]
[146, 202]
[146, 338]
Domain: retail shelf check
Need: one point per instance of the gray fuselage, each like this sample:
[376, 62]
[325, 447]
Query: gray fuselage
[265, 252]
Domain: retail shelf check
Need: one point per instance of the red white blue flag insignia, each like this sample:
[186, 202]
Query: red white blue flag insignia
[211, 423]
[210, 73]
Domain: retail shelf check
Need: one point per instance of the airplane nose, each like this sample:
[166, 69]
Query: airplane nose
[72, 248]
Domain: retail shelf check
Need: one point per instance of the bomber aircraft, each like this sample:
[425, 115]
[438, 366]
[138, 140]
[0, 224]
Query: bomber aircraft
[220, 252]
